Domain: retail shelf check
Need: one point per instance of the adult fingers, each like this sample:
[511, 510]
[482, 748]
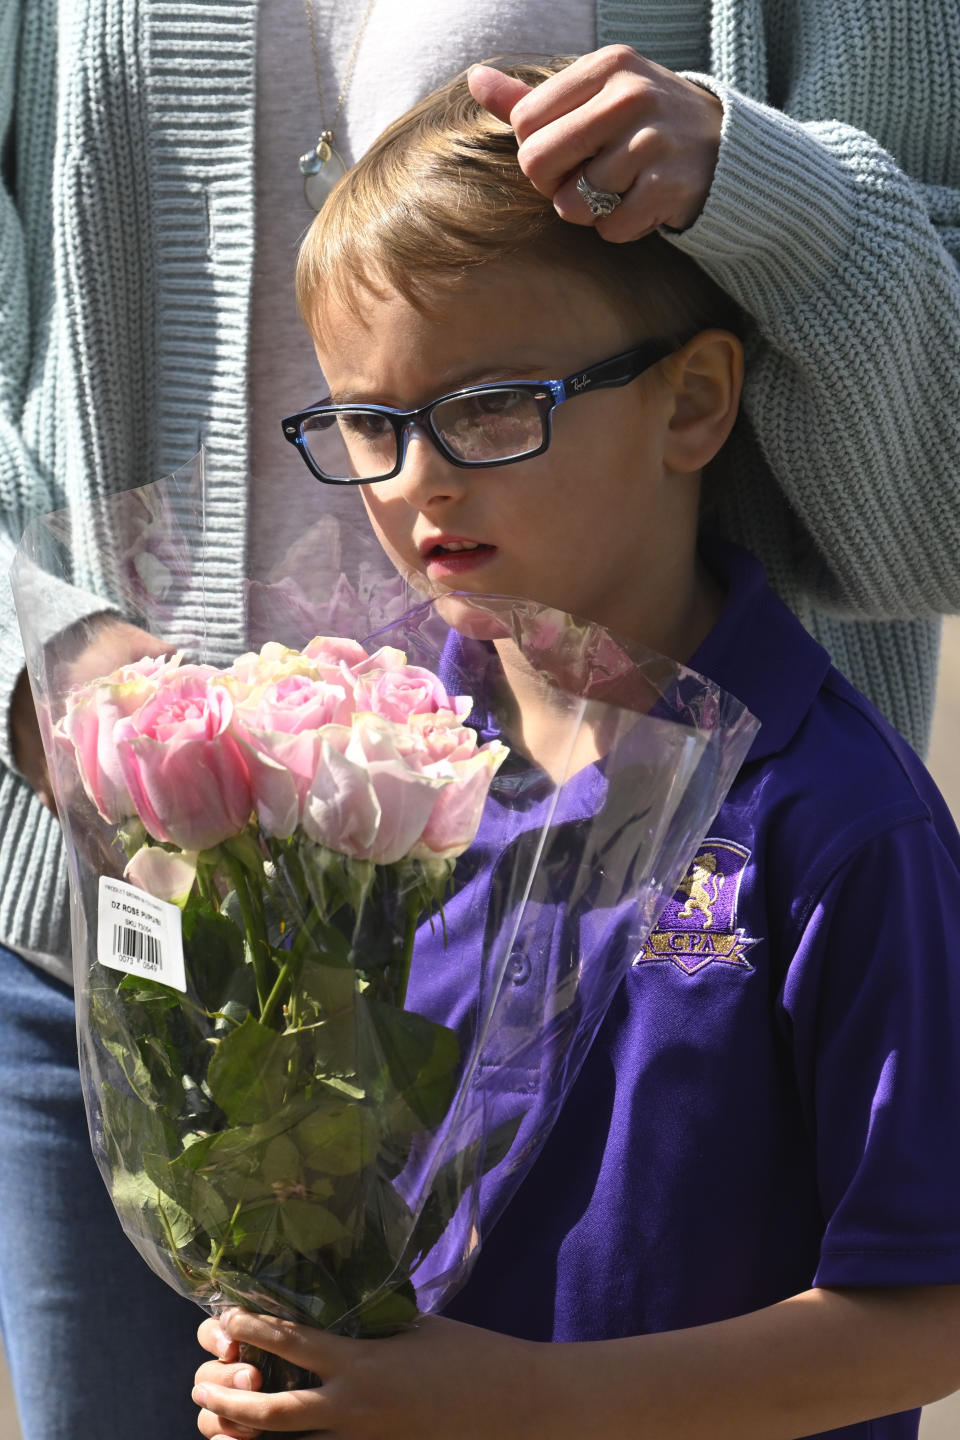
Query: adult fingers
[571, 88]
[495, 91]
[27, 741]
[663, 193]
[562, 148]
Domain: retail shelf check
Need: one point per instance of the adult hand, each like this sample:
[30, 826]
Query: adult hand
[439, 1380]
[27, 743]
[92, 648]
[632, 126]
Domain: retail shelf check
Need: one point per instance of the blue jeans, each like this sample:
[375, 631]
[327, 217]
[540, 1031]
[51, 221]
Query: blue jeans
[98, 1347]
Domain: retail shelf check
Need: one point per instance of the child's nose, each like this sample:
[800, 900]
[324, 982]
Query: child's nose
[427, 476]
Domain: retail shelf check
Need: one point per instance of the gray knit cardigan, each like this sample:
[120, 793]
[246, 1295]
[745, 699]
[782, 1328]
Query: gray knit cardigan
[126, 258]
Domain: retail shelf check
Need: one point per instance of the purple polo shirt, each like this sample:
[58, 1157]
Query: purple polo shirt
[773, 1099]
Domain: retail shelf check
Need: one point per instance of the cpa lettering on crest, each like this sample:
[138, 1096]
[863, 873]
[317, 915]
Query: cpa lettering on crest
[698, 926]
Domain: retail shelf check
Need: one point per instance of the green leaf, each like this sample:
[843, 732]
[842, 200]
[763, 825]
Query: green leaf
[148, 1211]
[366, 1274]
[386, 1314]
[308, 1225]
[133, 1067]
[132, 1129]
[138, 989]
[417, 1059]
[281, 1165]
[214, 955]
[256, 1234]
[337, 1139]
[192, 1193]
[332, 987]
[333, 1047]
[250, 1073]
[243, 1143]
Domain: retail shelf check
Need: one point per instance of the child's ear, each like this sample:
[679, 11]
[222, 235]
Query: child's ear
[706, 378]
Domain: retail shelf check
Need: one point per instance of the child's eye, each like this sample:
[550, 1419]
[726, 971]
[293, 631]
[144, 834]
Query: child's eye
[365, 426]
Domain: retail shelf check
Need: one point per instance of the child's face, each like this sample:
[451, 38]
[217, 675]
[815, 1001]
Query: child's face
[599, 524]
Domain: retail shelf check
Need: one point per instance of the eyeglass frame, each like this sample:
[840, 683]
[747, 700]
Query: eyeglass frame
[607, 374]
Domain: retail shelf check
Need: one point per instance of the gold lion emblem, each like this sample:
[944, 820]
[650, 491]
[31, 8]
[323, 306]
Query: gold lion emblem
[696, 886]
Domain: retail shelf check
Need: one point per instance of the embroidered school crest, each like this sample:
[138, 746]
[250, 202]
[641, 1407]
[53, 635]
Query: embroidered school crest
[699, 924]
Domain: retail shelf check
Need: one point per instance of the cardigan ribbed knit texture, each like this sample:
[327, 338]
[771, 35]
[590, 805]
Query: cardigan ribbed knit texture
[126, 256]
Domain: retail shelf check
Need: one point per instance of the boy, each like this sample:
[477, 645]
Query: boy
[746, 1222]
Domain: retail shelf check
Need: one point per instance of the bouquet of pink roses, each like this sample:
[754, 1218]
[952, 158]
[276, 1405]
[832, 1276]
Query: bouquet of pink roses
[300, 812]
[347, 916]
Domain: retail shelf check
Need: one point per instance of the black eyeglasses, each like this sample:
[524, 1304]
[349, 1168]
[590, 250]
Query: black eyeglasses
[494, 424]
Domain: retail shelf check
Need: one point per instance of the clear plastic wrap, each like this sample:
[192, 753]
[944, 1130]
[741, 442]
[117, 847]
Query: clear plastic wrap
[347, 911]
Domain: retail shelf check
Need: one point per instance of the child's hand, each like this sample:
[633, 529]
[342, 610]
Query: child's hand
[226, 1372]
[439, 1380]
[636, 128]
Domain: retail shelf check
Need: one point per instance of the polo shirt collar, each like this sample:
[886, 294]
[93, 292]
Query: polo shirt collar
[759, 651]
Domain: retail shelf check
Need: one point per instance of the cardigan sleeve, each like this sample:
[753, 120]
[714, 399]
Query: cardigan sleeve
[22, 490]
[27, 46]
[848, 269]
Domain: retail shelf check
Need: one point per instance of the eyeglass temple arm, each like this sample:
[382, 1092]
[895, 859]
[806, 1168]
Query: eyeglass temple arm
[618, 371]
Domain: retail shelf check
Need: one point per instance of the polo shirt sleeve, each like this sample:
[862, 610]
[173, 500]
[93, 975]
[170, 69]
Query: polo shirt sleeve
[871, 1003]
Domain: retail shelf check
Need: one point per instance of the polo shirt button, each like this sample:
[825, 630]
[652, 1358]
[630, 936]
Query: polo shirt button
[518, 968]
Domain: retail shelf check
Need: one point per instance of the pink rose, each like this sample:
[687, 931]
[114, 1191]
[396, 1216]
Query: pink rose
[297, 703]
[163, 873]
[432, 738]
[332, 650]
[365, 800]
[281, 736]
[397, 692]
[456, 813]
[249, 674]
[384, 791]
[92, 713]
[439, 746]
[388, 657]
[186, 774]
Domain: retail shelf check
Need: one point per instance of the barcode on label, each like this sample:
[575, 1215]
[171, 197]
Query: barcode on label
[137, 945]
[139, 934]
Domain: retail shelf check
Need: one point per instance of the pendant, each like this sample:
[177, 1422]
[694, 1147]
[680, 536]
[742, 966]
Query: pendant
[321, 168]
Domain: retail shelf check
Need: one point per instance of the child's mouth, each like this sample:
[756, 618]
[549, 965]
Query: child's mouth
[456, 557]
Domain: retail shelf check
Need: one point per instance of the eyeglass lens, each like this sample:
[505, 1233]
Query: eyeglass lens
[358, 444]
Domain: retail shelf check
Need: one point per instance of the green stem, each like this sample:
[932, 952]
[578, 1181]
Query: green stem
[206, 888]
[171, 1242]
[273, 999]
[409, 935]
[253, 925]
[223, 1243]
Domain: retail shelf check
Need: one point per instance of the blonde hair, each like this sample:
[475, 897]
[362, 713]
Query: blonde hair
[440, 192]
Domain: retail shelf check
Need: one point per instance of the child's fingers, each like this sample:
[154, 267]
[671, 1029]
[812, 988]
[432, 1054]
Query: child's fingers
[213, 1338]
[311, 1349]
[233, 1377]
[495, 91]
[285, 1411]
[214, 1428]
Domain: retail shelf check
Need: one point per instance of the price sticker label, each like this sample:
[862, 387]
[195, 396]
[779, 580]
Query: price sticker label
[139, 934]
